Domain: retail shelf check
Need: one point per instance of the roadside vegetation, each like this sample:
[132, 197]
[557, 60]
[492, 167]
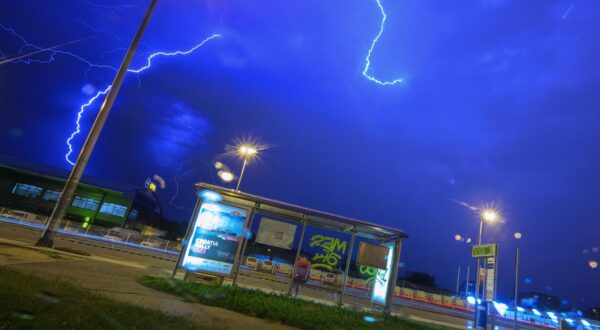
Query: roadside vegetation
[277, 307]
[29, 302]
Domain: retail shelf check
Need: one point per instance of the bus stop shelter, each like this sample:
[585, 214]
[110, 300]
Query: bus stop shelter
[230, 231]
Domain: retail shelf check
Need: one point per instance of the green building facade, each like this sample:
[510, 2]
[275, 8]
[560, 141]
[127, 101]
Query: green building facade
[36, 193]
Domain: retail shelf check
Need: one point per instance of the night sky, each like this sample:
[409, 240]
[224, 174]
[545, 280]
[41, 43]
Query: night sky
[499, 105]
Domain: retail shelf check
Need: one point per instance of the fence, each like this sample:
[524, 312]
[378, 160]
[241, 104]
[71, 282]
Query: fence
[115, 235]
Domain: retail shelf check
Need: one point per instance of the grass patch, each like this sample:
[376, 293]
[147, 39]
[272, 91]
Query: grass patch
[28, 302]
[277, 307]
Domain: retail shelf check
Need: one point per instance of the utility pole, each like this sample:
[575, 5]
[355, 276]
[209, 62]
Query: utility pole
[467, 286]
[458, 280]
[516, 285]
[63, 203]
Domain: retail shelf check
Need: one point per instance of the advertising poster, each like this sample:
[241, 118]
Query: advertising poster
[382, 279]
[276, 233]
[372, 255]
[216, 233]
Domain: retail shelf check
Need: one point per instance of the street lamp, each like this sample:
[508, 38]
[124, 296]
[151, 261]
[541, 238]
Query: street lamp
[246, 152]
[490, 215]
[517, 235]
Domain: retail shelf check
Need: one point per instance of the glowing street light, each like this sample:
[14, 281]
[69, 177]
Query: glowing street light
[246, 152]
[223, 172]
[226, 176]
[489, 215]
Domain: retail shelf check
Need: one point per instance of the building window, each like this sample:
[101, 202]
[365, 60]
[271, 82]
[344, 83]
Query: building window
[133, 214]
[85, 203]
[26, 190]
[51, 195]
[113, 209]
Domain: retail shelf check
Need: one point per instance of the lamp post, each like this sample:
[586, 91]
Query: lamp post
[489, 215]
[517, 236]
[246, 152]
[64, 202]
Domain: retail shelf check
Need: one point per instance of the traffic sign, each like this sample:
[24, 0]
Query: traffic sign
[483, 251]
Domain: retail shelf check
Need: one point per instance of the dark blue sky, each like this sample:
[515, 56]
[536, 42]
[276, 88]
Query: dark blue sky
[499, 104]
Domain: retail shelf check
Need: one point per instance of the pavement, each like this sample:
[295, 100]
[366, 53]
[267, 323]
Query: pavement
[116, 279]
[143, 261]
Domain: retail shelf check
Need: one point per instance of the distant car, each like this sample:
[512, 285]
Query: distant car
[252, 262]
[154, 244]
[330, 278]
[267, 266]
[112, 237]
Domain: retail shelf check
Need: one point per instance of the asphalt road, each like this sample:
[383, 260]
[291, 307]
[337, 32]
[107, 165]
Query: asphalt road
[353, 298]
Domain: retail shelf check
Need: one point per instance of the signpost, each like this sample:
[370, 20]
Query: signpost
[489, 252]
[482, 251]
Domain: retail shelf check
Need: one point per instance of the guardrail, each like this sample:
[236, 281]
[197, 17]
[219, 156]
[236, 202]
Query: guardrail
[109, 235]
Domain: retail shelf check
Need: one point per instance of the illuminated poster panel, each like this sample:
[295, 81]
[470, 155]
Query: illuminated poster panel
[382, 279]
[372, 255]
[216, 233]
[276, 233]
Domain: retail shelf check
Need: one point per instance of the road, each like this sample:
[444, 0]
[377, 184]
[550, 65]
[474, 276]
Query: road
[163, 263]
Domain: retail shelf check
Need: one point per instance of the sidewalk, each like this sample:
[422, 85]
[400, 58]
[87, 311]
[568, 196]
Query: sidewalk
[116, 279]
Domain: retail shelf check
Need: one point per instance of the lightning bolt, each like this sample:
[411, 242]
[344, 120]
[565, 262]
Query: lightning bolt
[51, 52]
[180, 177]
[373, 43]
[109, 7]
[136, 71]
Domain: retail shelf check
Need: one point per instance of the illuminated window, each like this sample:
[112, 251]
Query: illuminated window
[85, 203]
[113, 209]
[133, 214]
[51, 195]
[26, 190]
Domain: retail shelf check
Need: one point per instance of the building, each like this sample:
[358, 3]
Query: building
[35, 189]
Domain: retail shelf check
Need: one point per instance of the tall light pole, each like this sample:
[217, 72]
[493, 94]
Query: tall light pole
[489, 215]
[63, 203]
[517, 236]
[246, 152]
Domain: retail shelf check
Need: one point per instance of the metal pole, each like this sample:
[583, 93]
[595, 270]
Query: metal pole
[241, 175]
[477, 280]
[516, 285]
[66, 198]
[467, 286]
[347, 268]
[458, 280]
[245, 238]
[304, 223]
